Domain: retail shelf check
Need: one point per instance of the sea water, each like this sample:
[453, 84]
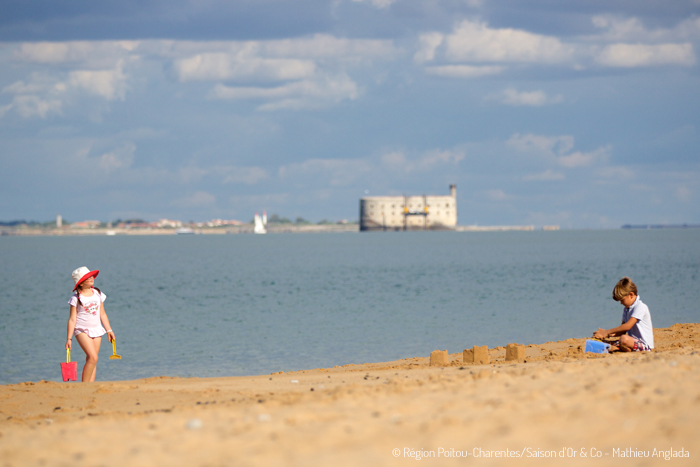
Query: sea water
[226, 305]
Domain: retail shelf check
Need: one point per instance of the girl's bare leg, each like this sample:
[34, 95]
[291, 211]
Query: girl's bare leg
[96, 342]
[91, 347]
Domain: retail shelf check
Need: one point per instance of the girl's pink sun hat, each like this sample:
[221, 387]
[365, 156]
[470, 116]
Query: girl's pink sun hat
[82, 274]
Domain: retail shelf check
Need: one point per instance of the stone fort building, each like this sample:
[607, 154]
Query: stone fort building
[409, 212]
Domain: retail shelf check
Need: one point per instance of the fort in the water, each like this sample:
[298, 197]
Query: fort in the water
[409, 212]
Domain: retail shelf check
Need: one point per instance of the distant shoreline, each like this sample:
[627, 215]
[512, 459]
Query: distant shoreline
[239, 229]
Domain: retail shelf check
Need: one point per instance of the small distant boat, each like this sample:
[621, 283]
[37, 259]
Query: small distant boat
[111, 232]
[260, 223]
[184, 231]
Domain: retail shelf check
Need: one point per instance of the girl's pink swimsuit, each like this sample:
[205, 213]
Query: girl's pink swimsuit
[88, 314]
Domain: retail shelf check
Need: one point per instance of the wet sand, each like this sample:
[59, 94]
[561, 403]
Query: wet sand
[606, 409]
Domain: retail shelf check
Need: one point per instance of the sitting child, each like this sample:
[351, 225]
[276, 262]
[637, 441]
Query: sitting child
[636, 332]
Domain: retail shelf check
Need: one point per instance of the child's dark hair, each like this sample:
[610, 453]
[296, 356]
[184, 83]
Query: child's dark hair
[77, 294]
[624, 287]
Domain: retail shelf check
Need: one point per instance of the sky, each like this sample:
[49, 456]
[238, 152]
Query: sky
[583, 114]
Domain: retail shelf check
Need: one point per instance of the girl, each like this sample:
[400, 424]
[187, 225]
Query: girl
[87, 317]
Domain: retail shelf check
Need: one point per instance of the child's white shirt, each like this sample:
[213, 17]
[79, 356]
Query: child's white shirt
[643, 327]
[88, 314]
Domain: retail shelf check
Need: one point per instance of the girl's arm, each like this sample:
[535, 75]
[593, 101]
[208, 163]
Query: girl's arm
[105, 322]
[71, 326]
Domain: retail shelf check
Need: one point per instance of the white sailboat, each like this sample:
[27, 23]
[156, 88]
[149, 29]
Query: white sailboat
[260, 224]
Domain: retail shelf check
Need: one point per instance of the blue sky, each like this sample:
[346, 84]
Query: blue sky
[580, 113]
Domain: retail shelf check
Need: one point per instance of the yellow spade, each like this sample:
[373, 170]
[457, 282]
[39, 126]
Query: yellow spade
[114, 355]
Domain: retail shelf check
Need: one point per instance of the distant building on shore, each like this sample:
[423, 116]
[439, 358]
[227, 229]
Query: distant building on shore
[409, 212]
[85, 225]
[168, 224]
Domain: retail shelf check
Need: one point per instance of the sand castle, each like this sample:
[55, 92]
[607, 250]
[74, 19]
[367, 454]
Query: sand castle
[476, 355]
[439, 358]
[515, 352]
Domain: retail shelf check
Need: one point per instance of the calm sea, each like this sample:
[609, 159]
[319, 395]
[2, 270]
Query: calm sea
[244, 304]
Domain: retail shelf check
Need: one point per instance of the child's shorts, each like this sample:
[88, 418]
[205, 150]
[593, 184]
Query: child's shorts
[640, 345]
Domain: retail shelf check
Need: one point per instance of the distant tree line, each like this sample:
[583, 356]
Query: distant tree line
[276, 219]
[130, 221]
[15, 223]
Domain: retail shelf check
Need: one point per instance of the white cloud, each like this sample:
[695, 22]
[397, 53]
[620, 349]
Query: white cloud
[683, 193]
[34, 106]
[329, 47]
[52, 52]
[380, 4]
[246, 175]
[584, 159]
[191, 174]
[120, 158]
[622, 42]
[636, 55]
[295, 95]
[546, 176]
[428, 44]
[626, 42]
[558, 150]
[474, 41]
[464, 71]
[439, 157]
[224, 67]
[551, 146]
[275, 60]
[223, 174]
[318, 46]
[260, 202]
[39, 96]
[616, 172]
[37, 84]
[110, 84]
[4, 109]
[336, 172]
[397, 161]
[297, 73]
[87, 54]
[198, 199]
[42, 94]
[303, 73]
[512, 97]
[617, 29]
[496, 195]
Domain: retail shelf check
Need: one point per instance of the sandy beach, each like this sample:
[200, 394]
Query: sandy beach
[559, 407]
